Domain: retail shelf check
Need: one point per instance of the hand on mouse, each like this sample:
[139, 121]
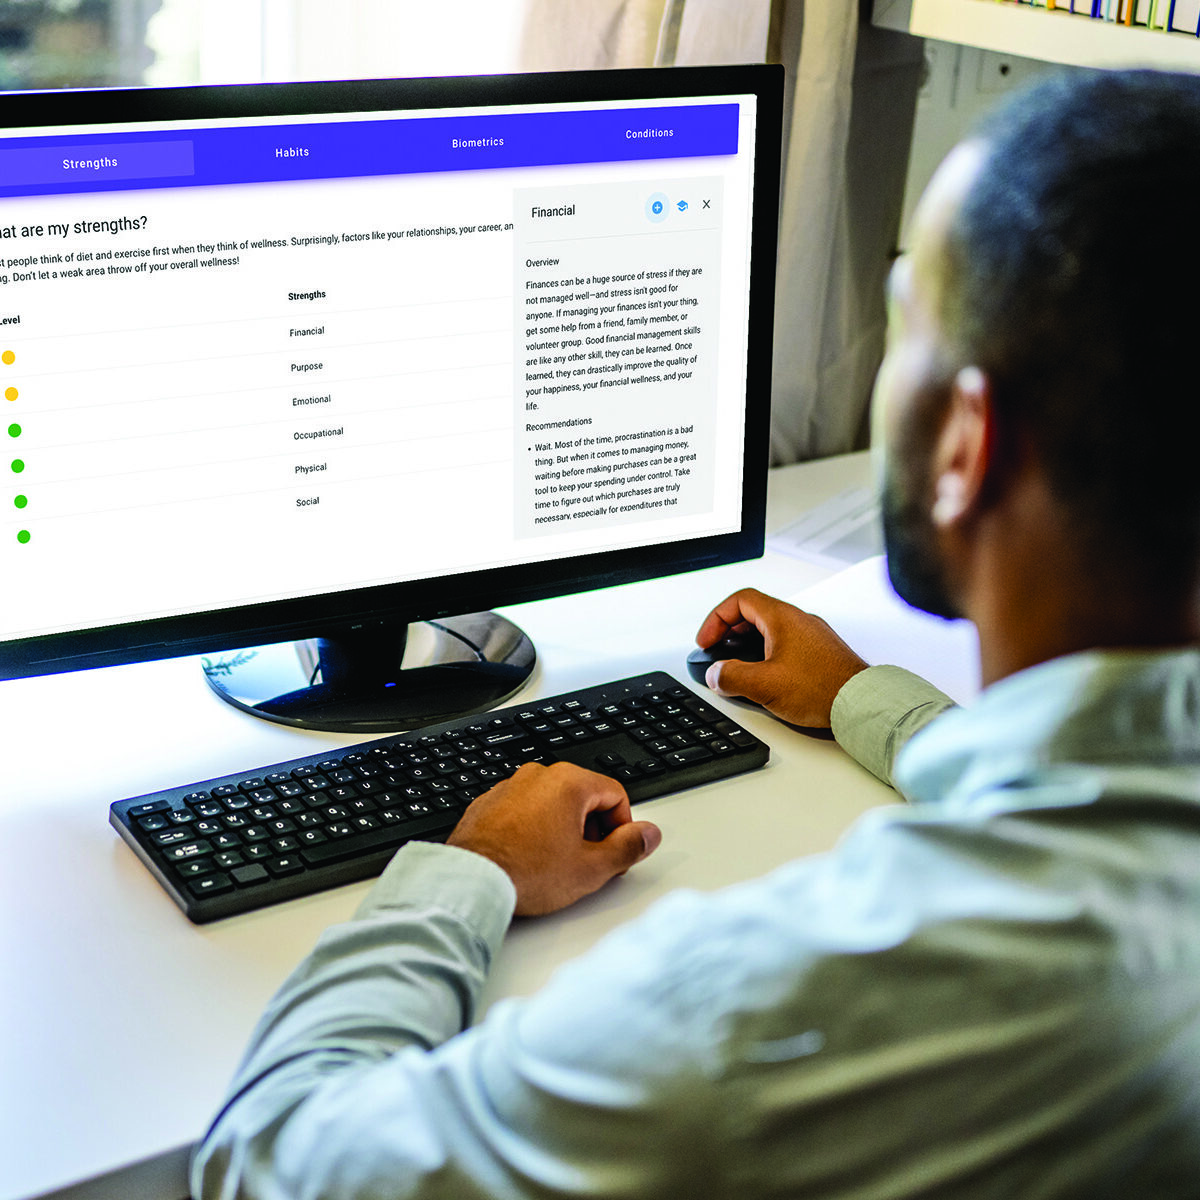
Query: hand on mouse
[805, 666]
[560, 832]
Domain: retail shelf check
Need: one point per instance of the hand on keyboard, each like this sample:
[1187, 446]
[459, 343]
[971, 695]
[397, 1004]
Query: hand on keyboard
[228, 845]
[560, 832]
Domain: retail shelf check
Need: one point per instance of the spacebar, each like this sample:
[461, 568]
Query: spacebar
[358, 844]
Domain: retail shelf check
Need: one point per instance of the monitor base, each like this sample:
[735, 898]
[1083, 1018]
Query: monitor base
[378, 680]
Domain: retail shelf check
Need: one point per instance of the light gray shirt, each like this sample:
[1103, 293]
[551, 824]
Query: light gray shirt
[992, 991]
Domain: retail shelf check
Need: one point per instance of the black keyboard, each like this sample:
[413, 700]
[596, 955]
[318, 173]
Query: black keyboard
[229, 845]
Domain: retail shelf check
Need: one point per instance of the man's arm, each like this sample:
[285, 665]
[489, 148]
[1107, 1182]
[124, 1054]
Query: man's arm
[810, 677]
[346, 1043]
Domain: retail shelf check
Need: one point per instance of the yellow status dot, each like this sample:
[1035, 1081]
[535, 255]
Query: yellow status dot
[8, 357]
[10, 393]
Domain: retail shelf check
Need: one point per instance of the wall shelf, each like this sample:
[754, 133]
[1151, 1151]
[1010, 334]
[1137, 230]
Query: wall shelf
[1054, 36]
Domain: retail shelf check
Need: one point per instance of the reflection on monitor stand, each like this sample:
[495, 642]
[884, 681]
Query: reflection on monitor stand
[378, 679]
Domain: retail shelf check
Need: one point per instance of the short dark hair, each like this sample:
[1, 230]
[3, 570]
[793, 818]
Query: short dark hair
[1072, 279]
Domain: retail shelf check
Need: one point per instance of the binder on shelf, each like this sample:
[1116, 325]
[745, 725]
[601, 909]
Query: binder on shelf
[1169, 16]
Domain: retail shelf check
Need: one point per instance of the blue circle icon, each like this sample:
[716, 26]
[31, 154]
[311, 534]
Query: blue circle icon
[657, 207]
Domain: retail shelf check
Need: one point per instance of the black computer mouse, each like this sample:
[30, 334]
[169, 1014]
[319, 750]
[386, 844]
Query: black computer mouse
[746, 644]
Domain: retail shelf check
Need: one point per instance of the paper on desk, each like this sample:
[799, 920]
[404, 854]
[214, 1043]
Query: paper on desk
[844, 529]
[860, 604]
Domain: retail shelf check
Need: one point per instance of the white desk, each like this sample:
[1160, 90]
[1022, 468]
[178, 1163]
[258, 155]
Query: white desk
[121, 1022]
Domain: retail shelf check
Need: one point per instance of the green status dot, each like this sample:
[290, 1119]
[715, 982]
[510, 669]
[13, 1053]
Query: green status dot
[23, 536]
[20, 501]
[14, 431]
[18, 466]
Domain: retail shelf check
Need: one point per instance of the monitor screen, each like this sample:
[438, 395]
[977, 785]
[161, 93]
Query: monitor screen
[294, 360]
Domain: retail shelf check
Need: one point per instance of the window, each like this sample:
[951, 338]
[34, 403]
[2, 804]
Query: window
[123, 43]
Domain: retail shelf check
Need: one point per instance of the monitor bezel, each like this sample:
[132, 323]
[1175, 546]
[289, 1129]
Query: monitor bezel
[402, 602]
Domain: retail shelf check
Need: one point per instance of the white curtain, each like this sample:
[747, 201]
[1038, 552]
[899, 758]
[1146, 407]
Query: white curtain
[847, 122]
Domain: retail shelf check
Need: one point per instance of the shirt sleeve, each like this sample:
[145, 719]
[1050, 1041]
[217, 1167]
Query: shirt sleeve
[878, 710]
[355, 1085]
[405, 972]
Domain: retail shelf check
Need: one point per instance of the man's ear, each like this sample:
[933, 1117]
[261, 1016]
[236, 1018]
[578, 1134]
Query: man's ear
[965, 449]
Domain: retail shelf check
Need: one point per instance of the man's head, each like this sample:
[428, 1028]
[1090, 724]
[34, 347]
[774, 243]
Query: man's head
[1052, 284]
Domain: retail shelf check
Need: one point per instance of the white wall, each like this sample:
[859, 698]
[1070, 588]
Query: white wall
[961, 84]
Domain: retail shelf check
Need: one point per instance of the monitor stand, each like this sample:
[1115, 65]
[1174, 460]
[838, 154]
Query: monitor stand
[378, 680]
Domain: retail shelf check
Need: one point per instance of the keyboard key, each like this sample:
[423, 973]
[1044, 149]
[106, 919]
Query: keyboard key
[250, 874]
[685, 758]
[341, 849]
[186, 850]
[210, 885]
[650, 766]
[194, 867]
[172, 837]
[150, 806]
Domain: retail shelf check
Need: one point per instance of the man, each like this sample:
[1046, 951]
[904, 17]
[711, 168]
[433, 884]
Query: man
[990, 992]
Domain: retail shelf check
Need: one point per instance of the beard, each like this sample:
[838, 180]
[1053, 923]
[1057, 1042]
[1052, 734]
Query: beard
[914, 566]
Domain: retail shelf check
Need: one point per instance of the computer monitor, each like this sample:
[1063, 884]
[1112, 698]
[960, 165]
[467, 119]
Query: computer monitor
[317, 361]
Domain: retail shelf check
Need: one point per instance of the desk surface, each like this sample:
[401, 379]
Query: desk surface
[123, 1022]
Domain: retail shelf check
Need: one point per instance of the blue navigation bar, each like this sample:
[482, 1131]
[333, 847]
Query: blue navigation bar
[31, 166]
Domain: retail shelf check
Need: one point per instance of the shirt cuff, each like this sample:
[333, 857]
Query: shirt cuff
[462, 883]
[878, 710]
